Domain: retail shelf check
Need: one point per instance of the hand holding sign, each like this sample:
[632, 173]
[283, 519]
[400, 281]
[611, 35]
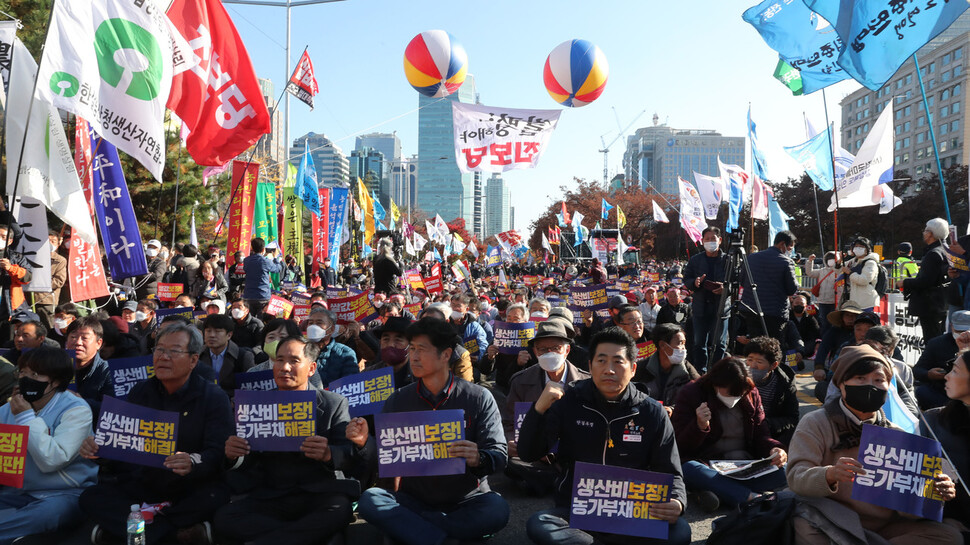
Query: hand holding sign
[844, 470]
[236, 447]
[89, 449]
[467, 450]
[945, 487]
[180, 463]
[668, 511]
[316, 448]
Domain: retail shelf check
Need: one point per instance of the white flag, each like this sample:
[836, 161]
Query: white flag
[193, 236]
[501, 277]
[578, 227]
[691, 210]
[545, 243]
[420, 241]
[441, 227]
[621, 248]
[47, 172]
[408, 247]
[658, 214]
[111, 62]
[873, 165]
[490, 139]
[711, 190]
[432, 232]
[35, 245]
[472, 248]
[887, 199]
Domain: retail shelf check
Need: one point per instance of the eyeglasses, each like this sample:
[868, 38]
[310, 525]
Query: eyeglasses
[169, 352]
[636, 323]
[540, 351]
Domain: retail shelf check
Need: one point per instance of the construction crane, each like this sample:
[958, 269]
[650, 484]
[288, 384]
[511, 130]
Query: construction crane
[606, 147]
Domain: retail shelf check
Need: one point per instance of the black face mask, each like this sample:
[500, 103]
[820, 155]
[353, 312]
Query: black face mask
[798, 309]
[31, 389]
[867, 399]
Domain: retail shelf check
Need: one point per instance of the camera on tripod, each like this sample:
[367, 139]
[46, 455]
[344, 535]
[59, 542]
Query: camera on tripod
[736, 238]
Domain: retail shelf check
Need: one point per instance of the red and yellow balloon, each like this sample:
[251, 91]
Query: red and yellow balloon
[435, 64]
[575, 73]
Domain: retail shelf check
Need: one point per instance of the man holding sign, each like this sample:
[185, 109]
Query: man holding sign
[429, 510]
[301, 497]
[191, 479]
[603, 420]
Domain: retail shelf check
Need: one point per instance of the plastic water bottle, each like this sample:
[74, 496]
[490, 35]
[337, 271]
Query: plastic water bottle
[136, 526]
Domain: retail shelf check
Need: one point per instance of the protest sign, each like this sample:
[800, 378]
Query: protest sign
[169, 291]
[256, 381]
[366, 391]
[471, 345]
[491, 139]
[416, 443]
[907, 327]
[414, 308]
[588, 298]
[900, 468]
[791, 358]
[300, 312]
[355, 308]
[645, 350]
[279, 307]
[433, 283]
[275, 420]
[530, 280]
[511, 338]
[617, 500]
[13, 454]
[126, 372]
[557, 302]
[300, 299]
[956, 261]
[521, 409]
[334, 293]
[413, 277]
[163, 313]
[131, 433]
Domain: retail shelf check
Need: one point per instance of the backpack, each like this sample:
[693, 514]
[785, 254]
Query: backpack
[765, 520]
[882, 280]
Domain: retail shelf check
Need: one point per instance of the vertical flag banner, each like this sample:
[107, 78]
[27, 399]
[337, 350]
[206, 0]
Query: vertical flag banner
[35, 244]
[578, 227]
[264, 213]
[759, 166]
[807, 44]
[321, 232]
[306, 182]
[878, 37]
[218, 98]
[815, 156]
[658, 214]
[759, 199]
[193, 234]
[873, 166]
[86, 71]
[489, 139]
[338, 220]
[712, 193]
[736, 178]
[691, 211]
[116, 216]
[303, 84]
[606, 209]
[777, 218]
[368, 225]
[47, 172]
[84, 273]
[293, 226]
[244, 176]
[620, 217]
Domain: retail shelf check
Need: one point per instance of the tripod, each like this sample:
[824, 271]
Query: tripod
[737, 258]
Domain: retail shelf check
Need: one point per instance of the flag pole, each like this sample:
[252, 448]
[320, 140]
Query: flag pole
[828, 127]
[936, 152]
[178, 183]
[818, 213]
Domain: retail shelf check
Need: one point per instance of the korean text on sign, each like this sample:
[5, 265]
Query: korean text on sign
[259, 381]
[367, 391]
[275, 420]
[13, 454]
[126, 372]
[416, 443]
[900, 468]
[136, 434]
[521, 409]
[511, 338]
[617, 500]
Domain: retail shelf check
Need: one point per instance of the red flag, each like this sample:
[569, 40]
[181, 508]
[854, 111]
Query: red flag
[240, 222]
[86, 276]
[219, 98]
[321, 232]
[302, 84]
[565, 213]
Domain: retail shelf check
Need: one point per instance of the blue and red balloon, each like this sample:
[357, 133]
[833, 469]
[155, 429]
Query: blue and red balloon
[575, 73]
[435, 64]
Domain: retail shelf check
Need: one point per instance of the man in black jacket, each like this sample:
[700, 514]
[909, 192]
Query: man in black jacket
[301, 497]
[222, 358]
[603, 420]
[704, 276]
[937, 360]
[773, 273]
[432, 510]
[925, 292]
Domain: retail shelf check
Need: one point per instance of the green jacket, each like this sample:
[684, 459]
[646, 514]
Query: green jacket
[905, 267]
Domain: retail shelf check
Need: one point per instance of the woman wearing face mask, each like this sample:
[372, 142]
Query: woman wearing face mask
[775, 382]
[825, 461]
[667, 370]
[211, 284]
[54, 474]
[862, 272]
[719, 417]
[825, 276]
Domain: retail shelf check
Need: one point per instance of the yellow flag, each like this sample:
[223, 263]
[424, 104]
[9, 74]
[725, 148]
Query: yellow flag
[290, 176]
[367, 205]
[395, 212]
[620, 217]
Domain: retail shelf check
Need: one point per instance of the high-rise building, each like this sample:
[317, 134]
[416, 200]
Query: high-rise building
[370, 161]
[947, 94]
[442, 188]
[387, 143]
[333, 168]
[404, 182]
[498, 206]
[478, 223]
[655, 156]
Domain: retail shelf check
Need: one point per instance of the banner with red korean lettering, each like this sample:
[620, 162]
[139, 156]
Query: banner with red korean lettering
[433, 283]
[356, 308]
[490, 139]
[13, 454]
[320, 226]
[242, 208]
[218, 98]
[85, 276]
[302, 84]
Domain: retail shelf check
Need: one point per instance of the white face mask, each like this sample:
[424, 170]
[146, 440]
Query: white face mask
[859, 252]
[60, 324]
[551, 361]
[239, 313]
[151, 252]
[678, 356]
[539, 314]
[163, 255]
[711, 246]
[728, 401]
[455, 315]
[831, 263]
[315, 333]
[141, 316]
[378, 304]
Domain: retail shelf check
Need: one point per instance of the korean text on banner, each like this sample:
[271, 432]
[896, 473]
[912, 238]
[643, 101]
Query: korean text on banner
[511, 338]
[131, 433]
[433, 283]
[416, 443]
[275, 420]
[303, 84]
[35, 245]
[265, 216]
[320, 231]
[279, 307]
[521, 409]
[337, 220]
[126, 372]
[169, 291]
[13, 454]
[366, 391]
[489, 139]
[356, 308]
[242, 207]
[256, 381]
[588, 298]
[900, 468]
[293, 226]
[84, 273]
[645, 350]
[617, 500]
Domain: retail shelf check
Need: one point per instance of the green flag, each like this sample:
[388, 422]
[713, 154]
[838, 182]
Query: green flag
[264, 218]
[790, 77]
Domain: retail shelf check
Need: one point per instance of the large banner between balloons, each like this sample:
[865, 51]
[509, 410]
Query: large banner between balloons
[489, 139]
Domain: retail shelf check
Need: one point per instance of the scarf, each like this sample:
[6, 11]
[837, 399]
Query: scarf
[849, 433]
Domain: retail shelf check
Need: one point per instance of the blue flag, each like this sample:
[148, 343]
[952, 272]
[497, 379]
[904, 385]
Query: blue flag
[335, 219]
[815, 156]
[760, 167]
[379, 212]
[878, 37]
[606, 208]
[801, 39]
[306, 188]
[493, 256]
[735, 200]
[437, 256]
[116, 216]
[777, 218]
[562, 220]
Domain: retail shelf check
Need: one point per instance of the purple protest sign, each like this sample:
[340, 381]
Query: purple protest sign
[511, 338]
[416, 443]
[617, 500]
[131, 433]
[521, 409]
[275, 421]
[162, 313]
[900, 468]
[367, 391]
[592, 298]
[256, 381]
[126, 372]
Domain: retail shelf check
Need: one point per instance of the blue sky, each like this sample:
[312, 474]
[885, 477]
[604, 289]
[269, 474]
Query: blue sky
[695, 64]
